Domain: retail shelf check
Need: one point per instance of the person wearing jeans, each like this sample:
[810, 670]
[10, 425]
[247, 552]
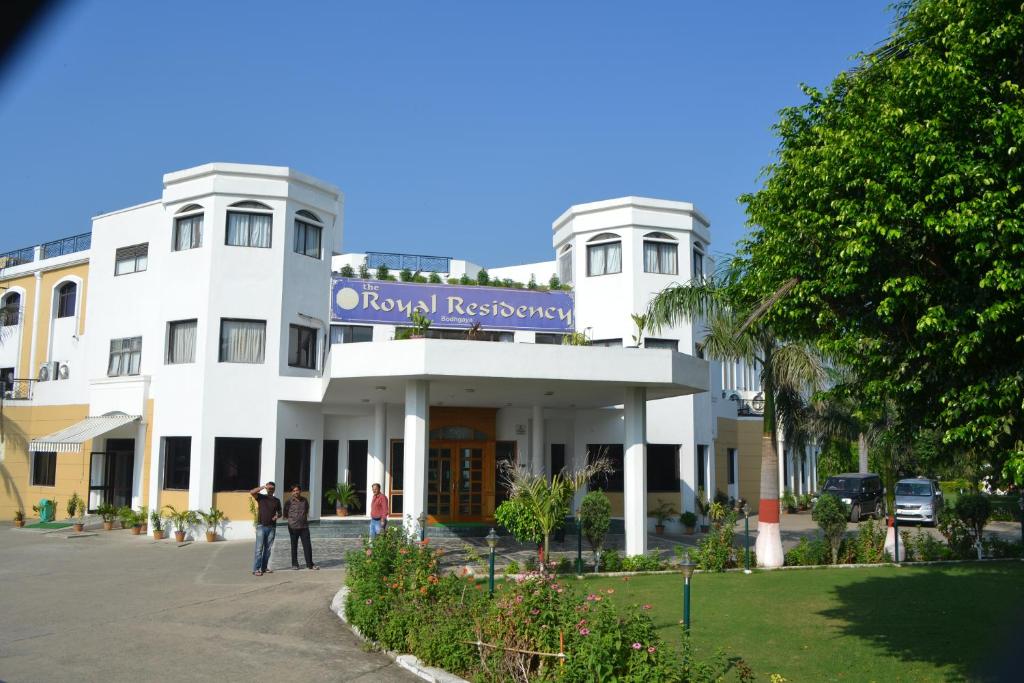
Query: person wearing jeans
[268, 510]
[379, 510]
[296, 510]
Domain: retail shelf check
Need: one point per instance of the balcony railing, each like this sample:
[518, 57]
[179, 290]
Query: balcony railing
[17, 389]
[67, 245]
[413, 262]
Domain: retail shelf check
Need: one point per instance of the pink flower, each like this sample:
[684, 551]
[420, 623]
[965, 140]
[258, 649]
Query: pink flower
[369, 602]
[584, 631]
[652, 649]
[535, 611]
[610, 591]
[369, 552]
[637, 646]
[519, 598]
[647, 607]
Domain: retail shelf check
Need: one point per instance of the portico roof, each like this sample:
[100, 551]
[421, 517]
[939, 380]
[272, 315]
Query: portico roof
[475, 373]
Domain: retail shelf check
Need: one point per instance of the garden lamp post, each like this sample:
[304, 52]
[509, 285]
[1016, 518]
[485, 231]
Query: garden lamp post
[422, 519]
[746, 536]
[492, 543]
[688, 567]
[580, 543]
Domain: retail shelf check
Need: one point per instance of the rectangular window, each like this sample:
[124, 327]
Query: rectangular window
[242, 341]
[397, 497]
[549, 338]
[177, 462]
[350, 334]
[66, 296]
[702, 470]
[504, 457]
[661, 258]
[614, 481]
[131, 259]
[181, 342]
[125, 356]
[249, 229]
[732, 466]
[296, 463]
[188, 232]
[302, 347]
[44, 468]
[557, 458]
[651, 343]
[698, 264]
[565, 267]
[607, 342]
[236, 464]
[604, 259]
[662, 473]
[307, 239]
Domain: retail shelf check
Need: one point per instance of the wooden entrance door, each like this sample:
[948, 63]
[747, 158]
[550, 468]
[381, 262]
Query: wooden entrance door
[456, 480]
[440, 469]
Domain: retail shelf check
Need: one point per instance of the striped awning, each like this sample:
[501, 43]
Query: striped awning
[70, 439]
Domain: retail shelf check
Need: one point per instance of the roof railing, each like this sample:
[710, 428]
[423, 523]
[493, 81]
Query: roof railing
[61, 247]
[413, 262]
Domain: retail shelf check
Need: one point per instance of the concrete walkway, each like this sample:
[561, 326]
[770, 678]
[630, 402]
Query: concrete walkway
[116, 607]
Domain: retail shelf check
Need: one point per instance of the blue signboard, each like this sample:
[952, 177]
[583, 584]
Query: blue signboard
[454, 306]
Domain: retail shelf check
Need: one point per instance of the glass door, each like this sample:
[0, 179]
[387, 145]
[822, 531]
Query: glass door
[471, 482]
[98, 489]
[439, 482]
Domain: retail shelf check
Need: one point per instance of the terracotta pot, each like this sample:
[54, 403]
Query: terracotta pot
[145, 528]
[342, 512]
[78, 527]
[107, 526]
[179, 536]
[659, 529]
[158, 535]
[136, 530]
[211, 536]
[19, 523]
[689, 530]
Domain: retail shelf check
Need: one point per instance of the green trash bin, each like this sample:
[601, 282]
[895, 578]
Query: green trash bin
[47, 508]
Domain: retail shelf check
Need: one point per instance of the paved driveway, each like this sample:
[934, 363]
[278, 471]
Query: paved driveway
[113, 607]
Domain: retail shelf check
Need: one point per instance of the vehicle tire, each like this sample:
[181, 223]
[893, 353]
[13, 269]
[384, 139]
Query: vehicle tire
[855, 513]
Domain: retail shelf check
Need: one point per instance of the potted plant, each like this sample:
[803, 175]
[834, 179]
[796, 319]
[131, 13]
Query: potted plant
[158, 525]
[689, 521]
[127, 517]
[182, 520]
[76, 511]
[661, 513]
[108, 513]
[640, 320]
[344, 496]
[136, 521]
[419, 325]
[789, 501]
[19, 518]
[212, 520]
[703, 505]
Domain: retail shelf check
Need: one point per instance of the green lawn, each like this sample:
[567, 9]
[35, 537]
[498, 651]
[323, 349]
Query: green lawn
[937, 623]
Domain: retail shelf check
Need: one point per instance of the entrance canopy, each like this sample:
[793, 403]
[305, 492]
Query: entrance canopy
[70, 439]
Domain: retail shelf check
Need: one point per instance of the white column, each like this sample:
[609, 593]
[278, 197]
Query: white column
[140, 455]
[376, 459]
[537, 442]
[417, 417]
[156, 472]
[200, 483]
[635, 470]
[316, 473]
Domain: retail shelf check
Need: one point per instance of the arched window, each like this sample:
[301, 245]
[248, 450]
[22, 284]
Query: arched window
[10, 313]
[251, 227]
[66, 295]
[661, 254]
[188, 228]
[308, 233]
[565, 264]
[604, 254]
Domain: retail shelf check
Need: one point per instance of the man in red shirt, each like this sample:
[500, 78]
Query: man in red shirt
[379, 510]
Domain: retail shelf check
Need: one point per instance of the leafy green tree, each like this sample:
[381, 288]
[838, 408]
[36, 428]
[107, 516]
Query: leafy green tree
[346, 271]
[595, 519]
[831, 515]
[737, 328]
[896, 207]
[483, 277]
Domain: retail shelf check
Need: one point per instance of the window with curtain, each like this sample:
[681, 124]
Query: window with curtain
[302, 347]
[350, 334]
[188, 232]
[604, 259]
[177, 462]
[125, 356]
[698, 263]
[565, 266]
[10, 313]
[44, 468]
[66, 300]
[242, 341]
[249, 229]
[661, 258]
[133, 259]
[307, 239]
[181, 342]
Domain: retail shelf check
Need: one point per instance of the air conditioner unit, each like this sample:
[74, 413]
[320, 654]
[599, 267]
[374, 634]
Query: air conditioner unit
[64, 372]
[44, 372]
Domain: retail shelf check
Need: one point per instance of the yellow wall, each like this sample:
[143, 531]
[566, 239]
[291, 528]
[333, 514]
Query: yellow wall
[179, 499]
[744, 435]
[235, 505]
[147, 451]
[22, 424]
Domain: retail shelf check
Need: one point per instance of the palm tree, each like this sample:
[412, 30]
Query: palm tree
[737, 328]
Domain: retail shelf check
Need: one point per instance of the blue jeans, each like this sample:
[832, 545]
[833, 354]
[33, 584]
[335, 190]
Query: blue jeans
[264, 541]
[376, 528]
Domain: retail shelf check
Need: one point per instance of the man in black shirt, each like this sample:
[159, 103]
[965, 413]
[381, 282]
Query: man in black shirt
[296, 510]
[268, 509]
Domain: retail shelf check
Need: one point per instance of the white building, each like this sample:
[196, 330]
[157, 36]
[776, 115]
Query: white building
[198, 345]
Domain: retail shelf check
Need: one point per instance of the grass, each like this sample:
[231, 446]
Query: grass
[48, 525]
[935, 623]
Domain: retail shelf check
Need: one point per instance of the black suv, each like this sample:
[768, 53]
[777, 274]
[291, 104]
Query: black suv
[862, 493]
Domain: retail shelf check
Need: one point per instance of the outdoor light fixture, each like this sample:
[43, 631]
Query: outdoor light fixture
[757, 403]
[746, 536]
[688, 566]
[492, 543]
[422, 519]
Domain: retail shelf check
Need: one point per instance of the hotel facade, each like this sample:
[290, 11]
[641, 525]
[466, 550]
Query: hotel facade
[189, 348]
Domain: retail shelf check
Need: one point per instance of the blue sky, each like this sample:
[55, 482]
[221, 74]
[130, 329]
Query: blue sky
[454, 128]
